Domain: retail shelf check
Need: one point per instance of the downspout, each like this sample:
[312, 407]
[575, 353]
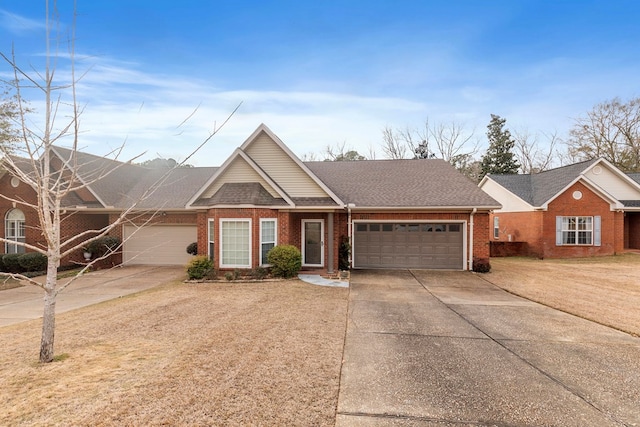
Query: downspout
[349, 233]
[471, 238]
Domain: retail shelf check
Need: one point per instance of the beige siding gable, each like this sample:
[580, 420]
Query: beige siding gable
[281, 168]
[238, 171]
[602, 176]
[509, 201]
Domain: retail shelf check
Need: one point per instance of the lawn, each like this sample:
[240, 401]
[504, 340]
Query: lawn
[183, 354]
[603, 289]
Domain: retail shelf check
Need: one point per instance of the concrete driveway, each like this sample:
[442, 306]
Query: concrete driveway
[428, 348]
[25, 303]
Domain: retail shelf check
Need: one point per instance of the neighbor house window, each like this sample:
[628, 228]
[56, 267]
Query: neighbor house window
[211, 238]
[268, 233]
[235, 243]
[578, 230]
[496, 227]
[14, 231]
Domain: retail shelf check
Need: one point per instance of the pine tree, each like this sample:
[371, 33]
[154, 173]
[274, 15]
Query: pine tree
[499, 157]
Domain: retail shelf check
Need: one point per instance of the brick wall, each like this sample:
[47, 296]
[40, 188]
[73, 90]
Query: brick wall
[612, 235]
[632, 231]
[522, 227]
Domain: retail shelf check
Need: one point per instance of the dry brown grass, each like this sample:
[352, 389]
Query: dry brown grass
[206, 354]
[603, 289]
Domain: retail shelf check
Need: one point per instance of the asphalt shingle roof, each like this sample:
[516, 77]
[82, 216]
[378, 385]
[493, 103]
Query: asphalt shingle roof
[238, 193]
[400, 183]
[536, 189]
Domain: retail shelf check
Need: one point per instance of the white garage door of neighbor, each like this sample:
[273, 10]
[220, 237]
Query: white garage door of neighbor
[158, 244]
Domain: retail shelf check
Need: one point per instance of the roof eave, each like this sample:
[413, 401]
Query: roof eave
[425, 208]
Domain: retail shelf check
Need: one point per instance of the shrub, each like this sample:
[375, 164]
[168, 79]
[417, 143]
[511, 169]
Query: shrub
[11, 263]
[229, 276]
[343, 254]
[285, 260]
[481, 265]
[32, 261]
[259, 273]
[103, 246]
[199, 267]
[192, 248]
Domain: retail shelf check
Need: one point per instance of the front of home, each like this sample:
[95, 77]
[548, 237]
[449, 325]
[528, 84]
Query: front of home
[585, 209]
[390, 213]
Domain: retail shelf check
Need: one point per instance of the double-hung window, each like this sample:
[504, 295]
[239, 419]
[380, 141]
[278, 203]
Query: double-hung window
[578, 230]
[14, 231]
[235, 243]
[496, 227]
[268, 239]
[211, 238]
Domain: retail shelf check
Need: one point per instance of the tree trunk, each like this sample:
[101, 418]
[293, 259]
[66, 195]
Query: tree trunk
[49, 315]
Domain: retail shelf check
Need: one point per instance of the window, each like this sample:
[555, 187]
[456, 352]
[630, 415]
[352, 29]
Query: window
[268, 239]
[496, 227]
[235, 243]
[14, 231]
[578, 230]
[211, 238]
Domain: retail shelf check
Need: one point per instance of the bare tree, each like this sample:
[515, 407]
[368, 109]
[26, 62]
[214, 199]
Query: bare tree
[610, 130]
[340, 152]
[447, 141]
[33, 164]
[535, 156]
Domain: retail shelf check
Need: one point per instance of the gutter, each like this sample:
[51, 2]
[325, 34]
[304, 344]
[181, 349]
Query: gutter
[470, 260]
[350, 233]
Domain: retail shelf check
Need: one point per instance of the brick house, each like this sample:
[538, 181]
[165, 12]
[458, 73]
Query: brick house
[395, 213]
[584, 209]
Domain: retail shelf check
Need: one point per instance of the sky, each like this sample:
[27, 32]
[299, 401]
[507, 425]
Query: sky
[160, 76]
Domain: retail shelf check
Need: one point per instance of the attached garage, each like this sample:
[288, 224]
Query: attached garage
[158, 244]
[408, 245]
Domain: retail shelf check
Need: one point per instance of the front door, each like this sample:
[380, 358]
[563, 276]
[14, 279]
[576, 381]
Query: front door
[312, 243]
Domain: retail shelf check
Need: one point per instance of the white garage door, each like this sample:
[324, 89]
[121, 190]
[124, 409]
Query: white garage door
[408, 245]
[158, 244]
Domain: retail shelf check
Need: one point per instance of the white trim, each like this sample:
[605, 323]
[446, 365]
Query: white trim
[449, 209]
[301, 165]
[302, 243]
[463, 223]
[211, 221]
[79, 177]
[239, 153]
[221, 244]
[275, 238]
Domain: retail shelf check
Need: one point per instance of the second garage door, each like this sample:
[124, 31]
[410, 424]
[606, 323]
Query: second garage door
[158, 244]
[408, 245]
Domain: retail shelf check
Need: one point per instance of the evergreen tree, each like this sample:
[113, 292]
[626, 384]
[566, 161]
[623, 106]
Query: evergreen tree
[499, 157]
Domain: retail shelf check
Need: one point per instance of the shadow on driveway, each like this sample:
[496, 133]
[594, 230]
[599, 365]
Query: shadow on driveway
[26, 303]
[437, 348]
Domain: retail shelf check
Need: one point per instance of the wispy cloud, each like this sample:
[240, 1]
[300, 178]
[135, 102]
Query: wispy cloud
[19, 24]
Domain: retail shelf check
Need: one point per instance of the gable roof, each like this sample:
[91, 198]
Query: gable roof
[268, 166]
[536, 189]
[434, 183]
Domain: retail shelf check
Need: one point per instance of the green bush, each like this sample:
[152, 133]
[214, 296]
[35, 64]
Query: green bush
[199, 267]
[103, 246]
[285, 260]
[259, 273]
[343, 254]
[32, 261]
[481, 265]
[11, 263]
[192, 248]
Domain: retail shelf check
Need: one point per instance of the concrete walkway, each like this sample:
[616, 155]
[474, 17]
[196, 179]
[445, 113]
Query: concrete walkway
[427, 348]
[26, 303]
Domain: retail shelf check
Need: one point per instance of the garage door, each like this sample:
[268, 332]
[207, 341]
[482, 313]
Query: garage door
[408, 245]
[158, 244]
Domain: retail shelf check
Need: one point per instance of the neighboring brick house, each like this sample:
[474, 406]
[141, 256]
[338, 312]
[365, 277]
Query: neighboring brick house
[395, 213]
[584, 209]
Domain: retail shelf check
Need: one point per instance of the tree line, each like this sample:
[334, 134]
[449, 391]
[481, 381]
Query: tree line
[610, 130]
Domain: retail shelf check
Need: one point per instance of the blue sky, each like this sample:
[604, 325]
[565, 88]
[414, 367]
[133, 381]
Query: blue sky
[329, 72]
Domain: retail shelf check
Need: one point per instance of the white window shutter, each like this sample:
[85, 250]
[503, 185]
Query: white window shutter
[597, 227]
[558, 231]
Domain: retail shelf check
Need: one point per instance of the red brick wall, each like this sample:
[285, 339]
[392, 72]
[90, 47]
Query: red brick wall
[632, 223]
[523, 227]
[612, 235]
